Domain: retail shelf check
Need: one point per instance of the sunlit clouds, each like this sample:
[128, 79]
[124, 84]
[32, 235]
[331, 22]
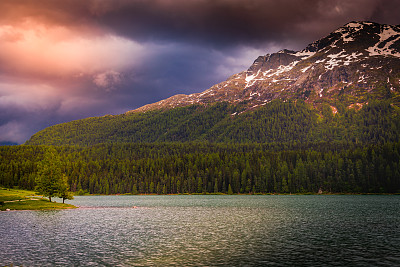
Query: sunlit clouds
[55, 70]
[58, 52]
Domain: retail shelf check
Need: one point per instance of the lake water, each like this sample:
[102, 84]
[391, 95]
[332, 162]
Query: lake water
[206, 231]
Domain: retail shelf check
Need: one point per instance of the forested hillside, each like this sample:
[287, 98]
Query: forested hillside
[277, 121]
[282, 147]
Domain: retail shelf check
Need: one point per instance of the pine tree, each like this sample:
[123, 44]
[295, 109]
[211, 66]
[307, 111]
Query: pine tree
[199, 185]
[49, 174]
[216, 186]
[63, 189]
[178, 186]
[230, 190]
[151, 189]
[134, 190]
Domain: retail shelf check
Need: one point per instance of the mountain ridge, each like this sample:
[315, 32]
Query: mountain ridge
[315, 73]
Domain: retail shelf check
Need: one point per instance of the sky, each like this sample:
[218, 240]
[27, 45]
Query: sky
[73, 59]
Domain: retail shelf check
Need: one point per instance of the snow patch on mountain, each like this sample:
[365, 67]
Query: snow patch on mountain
[340, 58]
[249, 78]
[252, 78]
[304, 54]
[352, 58]
[334, 61]
[306, 68]
[355, 27]
[388, 37]
[281, 69]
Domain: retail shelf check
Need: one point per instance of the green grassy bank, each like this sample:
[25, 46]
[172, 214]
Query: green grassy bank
[16, 199]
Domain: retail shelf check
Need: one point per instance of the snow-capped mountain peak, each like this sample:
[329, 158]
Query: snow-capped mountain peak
[352, 63]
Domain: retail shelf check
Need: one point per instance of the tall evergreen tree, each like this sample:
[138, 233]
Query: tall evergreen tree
[63, 189]
[49, 174]
[230, 190]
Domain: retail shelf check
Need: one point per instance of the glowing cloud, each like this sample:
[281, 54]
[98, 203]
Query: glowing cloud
[58, 51]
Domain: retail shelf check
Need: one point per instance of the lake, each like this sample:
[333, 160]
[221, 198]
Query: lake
[207, 231]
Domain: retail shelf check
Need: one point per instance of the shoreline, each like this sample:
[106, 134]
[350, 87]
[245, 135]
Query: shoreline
[18, 199]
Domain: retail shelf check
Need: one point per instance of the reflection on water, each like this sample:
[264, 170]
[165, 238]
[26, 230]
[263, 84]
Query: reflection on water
[206, 230]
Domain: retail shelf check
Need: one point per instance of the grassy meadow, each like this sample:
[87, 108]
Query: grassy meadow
[18, 199]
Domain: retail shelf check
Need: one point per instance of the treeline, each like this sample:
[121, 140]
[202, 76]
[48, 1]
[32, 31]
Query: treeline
[201, 167]
[278, 121]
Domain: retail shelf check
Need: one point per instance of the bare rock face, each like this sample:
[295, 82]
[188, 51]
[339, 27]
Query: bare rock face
[356, 62]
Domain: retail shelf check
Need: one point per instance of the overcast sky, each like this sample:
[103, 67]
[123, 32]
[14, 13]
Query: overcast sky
[72, 59]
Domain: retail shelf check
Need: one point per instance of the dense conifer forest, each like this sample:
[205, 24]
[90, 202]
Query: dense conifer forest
[283, 147]
[166, 168]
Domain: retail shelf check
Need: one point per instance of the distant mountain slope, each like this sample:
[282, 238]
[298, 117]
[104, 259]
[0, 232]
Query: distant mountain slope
[360, 60]
[343, 87]
[278, 121]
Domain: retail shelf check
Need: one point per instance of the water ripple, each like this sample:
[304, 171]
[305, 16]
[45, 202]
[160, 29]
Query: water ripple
[206, 231]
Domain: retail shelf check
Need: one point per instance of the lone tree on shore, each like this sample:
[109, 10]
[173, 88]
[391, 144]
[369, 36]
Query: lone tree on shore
[63, 187]
[50, 181]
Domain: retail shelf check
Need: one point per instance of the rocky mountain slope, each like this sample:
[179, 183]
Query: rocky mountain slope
[357, 62]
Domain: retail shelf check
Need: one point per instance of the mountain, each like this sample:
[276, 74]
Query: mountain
[326, 118]
[343, 87]
[359, 60]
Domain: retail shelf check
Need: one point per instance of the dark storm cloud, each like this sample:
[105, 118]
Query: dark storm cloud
[221, 24]
[212, 23]
[236, 21]
[216, 23]
[18, 122]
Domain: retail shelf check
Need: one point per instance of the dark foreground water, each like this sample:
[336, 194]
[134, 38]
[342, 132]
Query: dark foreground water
[206, 231]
